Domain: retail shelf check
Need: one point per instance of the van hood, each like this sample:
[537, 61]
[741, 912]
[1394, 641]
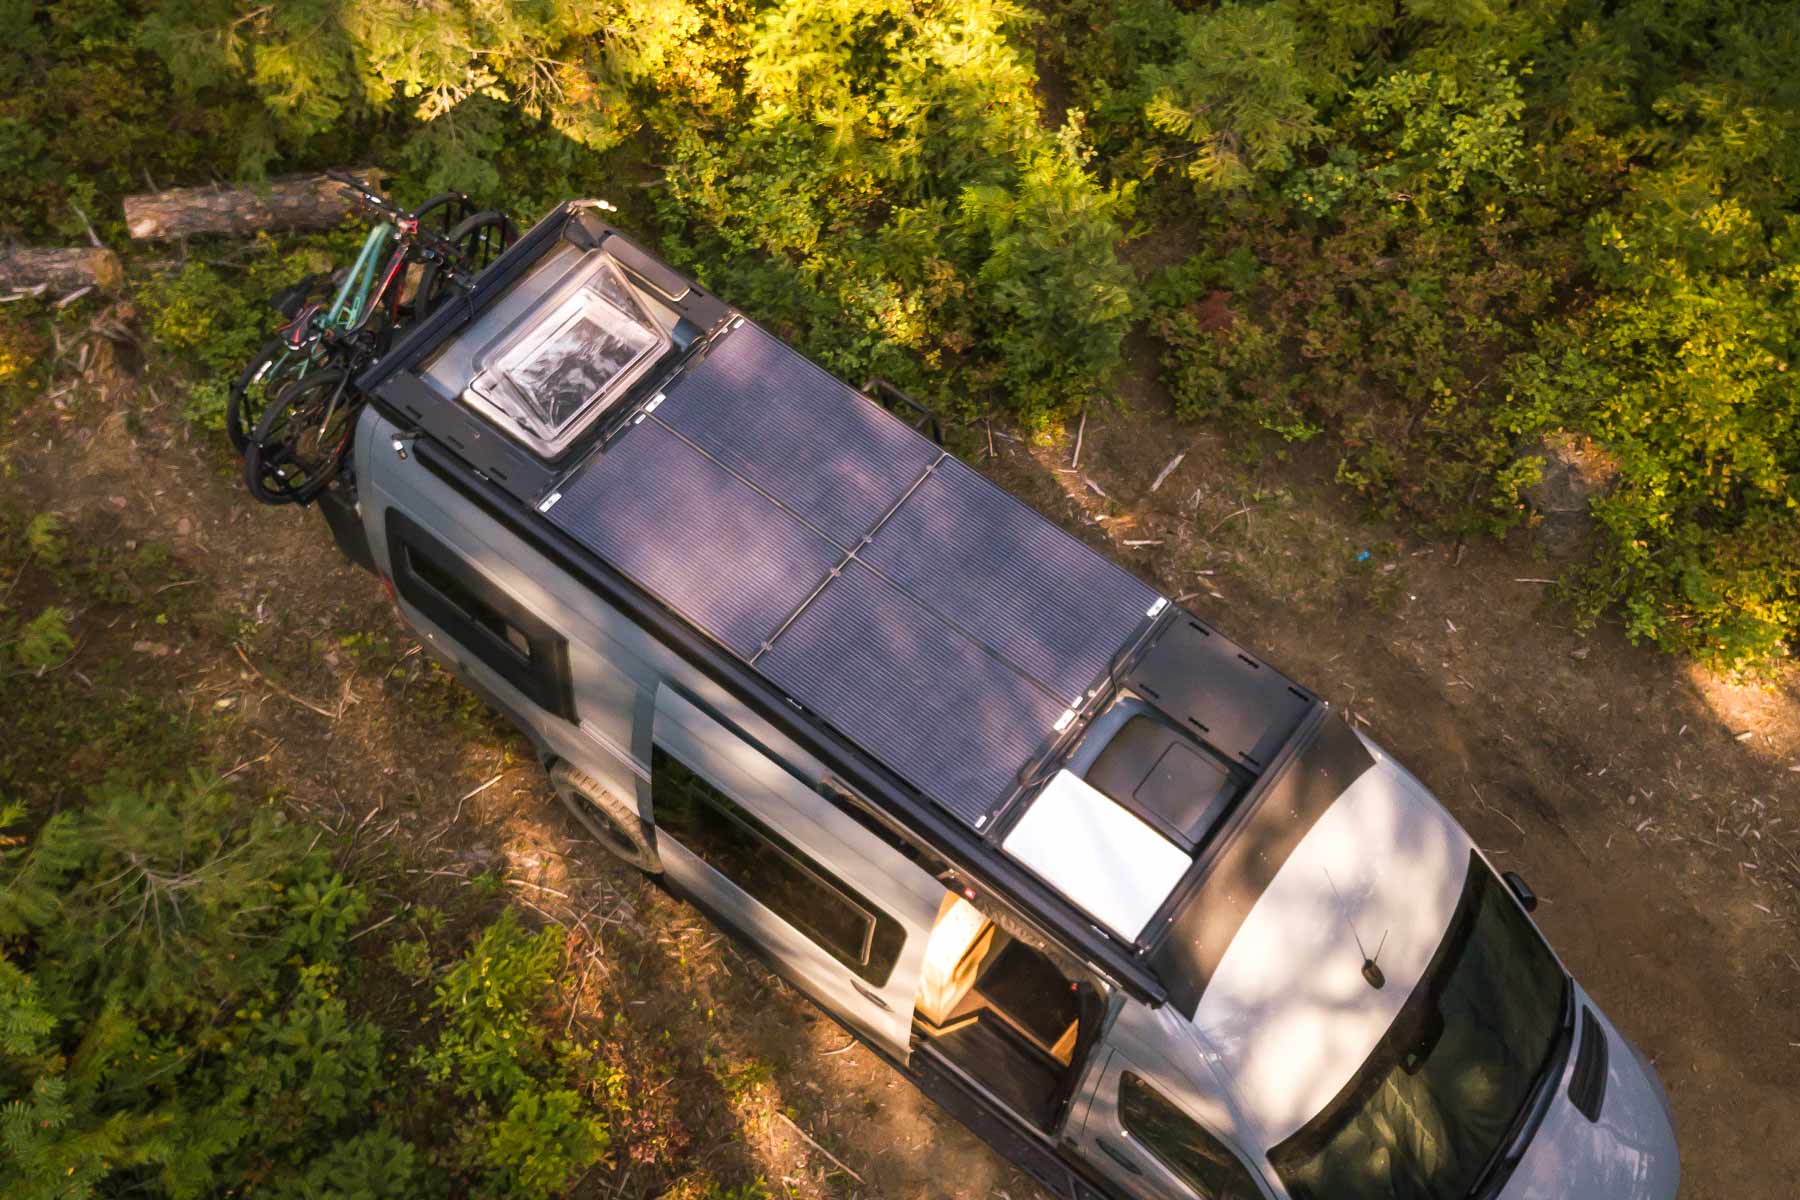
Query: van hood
[1288, 1013]
[1629, 1153]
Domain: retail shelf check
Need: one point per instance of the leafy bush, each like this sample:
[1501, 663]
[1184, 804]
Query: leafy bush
[174, 1021]
[209, 319]
[1236, 90]
[44, 640]
[1479, 227]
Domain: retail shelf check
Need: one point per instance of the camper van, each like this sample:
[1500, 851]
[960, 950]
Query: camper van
[1144, 913]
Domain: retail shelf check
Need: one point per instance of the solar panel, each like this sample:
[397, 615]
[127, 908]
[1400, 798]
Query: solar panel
[1039, 598]
[694, 534]
[935, 707]
[832, 456]
[947, 647]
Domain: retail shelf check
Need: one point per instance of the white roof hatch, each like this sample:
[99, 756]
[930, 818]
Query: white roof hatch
[1086, 845]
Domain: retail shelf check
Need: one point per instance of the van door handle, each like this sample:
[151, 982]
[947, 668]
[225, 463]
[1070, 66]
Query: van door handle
[871, 997]
[1119, 1156]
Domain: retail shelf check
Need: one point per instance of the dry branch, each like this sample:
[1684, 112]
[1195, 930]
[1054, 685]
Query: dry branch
[59, 270]
[296, 202]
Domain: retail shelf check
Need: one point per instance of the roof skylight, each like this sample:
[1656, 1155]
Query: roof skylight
[576, 353]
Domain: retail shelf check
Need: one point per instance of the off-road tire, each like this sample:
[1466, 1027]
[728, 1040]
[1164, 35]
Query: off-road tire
[614, 822]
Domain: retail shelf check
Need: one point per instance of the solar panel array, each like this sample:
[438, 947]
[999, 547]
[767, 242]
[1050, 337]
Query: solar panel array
[931, 618]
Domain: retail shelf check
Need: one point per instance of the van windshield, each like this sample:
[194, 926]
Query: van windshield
[1440, 1097]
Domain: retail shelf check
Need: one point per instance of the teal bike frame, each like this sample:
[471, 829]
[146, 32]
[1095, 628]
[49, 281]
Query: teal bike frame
[355, 301]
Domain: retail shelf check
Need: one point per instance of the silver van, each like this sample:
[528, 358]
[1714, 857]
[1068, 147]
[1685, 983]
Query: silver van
[1144, 913]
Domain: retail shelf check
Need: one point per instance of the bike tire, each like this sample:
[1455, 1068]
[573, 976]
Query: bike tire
[275, 366]
[479, 240]
[299, 447]
[444, 212]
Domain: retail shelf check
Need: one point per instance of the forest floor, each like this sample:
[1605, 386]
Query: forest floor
[1656, 809]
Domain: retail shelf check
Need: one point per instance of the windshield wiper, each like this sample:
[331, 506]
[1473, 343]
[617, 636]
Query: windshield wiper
[1506, 1156]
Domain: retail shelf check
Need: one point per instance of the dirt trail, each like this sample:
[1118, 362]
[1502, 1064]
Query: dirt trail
[1615, 780]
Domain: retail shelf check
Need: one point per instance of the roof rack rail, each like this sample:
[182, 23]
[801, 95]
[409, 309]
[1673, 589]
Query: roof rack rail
[923, 420]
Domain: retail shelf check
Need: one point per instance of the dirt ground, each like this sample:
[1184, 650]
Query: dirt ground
[1656, 809]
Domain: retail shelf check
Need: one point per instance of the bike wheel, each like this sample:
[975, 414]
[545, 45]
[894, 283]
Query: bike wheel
[275, 366]
[300, 445]
[478, 241]
[443, 213]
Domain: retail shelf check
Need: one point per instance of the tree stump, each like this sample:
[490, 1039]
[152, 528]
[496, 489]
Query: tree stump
[59, 270]
[292, 203]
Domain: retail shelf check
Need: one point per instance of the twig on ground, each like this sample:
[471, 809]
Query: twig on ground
[471, 795]
[1164, 473]
[1079, 430]
[789, 1122]
[89, 226]
[323, 712]
[377, 925]
[1240, 512]
[251, 762]
[537, 886]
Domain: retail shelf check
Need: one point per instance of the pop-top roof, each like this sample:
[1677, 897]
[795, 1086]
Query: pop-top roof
[930, 617]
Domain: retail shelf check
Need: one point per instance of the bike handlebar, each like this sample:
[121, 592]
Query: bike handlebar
[367, 197]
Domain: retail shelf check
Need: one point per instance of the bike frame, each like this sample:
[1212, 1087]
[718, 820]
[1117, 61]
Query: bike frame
[356, 300]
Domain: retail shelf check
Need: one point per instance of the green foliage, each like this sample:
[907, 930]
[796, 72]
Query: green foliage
[1480, 225]
[1448, 140]
[490, 1043]
[527, 1132]
[44, 640]
[884, 187]
[1236, 91]
[210, 318]
[1682, 371]
[174, 1021]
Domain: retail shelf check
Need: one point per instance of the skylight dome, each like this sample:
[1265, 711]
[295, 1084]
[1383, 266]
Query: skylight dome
[571, 358]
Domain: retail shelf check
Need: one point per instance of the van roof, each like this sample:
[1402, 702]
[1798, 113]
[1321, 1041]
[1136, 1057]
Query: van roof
[902, 601]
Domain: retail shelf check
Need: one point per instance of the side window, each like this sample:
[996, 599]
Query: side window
[1182, 1146]
[520, 646]
[778, 874]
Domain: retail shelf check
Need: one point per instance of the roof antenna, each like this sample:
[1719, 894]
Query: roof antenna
[1371, 971]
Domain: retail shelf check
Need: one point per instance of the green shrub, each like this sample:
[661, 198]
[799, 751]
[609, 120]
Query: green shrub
[208, 320]
[1472, 235]
[175, 1021]
[44, 640]
[523, 1130]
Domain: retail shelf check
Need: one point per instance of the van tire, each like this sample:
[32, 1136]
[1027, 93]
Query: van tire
[614, 823]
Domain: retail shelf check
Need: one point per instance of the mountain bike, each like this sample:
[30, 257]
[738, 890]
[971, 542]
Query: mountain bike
[285, 427]
[445, 238]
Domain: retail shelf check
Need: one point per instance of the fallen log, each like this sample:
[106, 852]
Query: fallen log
[296, 202]
[59, 270]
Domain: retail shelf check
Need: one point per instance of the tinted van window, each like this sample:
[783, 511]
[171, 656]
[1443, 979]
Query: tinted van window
[1186, 1149]
[787, 881]
[516, 643]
